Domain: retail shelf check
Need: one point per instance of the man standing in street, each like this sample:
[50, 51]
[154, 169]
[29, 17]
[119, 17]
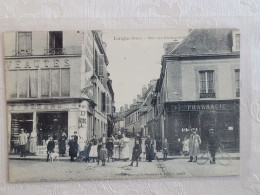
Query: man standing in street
[149, 149]
[22, 142]
[213, 144]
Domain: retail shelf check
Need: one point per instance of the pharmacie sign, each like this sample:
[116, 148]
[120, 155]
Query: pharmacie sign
[199, 107]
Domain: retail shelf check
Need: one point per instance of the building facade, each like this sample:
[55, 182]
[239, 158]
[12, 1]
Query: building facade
[199, 89]
[56, 82]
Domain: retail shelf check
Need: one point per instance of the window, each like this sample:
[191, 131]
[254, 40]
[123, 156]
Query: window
[103, 102]
[96, 62]
[207, 84]
[237, 82]
[237, 41]
[23, 84]
[24, 41]
[55, 43]
[55, 82]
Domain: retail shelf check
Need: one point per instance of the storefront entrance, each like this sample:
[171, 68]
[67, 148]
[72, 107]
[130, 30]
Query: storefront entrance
[51, 124]
[19, 121]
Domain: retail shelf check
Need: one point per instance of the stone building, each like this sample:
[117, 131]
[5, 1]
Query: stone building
[57, 82]
[199, 88]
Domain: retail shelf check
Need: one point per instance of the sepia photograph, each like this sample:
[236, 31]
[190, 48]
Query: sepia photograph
[122, 104]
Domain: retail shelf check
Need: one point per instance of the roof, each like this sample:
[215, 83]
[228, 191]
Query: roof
[206, 41]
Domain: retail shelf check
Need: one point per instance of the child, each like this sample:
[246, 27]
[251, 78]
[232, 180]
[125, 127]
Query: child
[137, 150]
[103, 154]
[50, 147]
[185, 148]
[87, 151]
[165, 147]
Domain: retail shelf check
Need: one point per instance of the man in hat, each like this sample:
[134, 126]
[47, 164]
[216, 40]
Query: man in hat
[213, 144]
[22, 142]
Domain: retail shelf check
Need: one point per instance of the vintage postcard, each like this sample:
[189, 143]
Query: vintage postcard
[85, 105]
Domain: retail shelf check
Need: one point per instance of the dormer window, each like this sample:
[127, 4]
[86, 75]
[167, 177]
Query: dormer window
[236, 40]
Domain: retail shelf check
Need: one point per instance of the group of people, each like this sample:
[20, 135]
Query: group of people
[191, 146]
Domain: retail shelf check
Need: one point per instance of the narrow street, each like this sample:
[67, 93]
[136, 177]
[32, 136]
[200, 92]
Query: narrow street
[43, 171]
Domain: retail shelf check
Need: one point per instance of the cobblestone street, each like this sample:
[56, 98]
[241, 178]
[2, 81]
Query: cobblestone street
[65, 170]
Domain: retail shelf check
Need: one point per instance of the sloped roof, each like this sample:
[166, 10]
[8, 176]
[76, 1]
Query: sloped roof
[205, 41]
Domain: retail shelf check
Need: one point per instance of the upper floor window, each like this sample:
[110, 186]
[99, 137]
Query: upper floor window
[55, 43]
[207, 84]
[22, 83]
[237, 82]
[55, 82]
[238, 42]
[24, 43]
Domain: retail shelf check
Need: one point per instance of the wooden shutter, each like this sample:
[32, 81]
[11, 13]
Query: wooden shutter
[103, 102]
[101, 63]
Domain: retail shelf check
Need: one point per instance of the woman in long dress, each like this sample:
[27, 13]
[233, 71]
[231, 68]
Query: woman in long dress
[62, 144]
[124, 148]
[33, 140]
[93, 150]
[116, 148]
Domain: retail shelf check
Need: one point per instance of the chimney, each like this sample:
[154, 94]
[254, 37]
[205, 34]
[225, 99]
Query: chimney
[144, 89]
[168, 47]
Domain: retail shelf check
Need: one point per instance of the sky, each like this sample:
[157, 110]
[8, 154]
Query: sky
[135, 59]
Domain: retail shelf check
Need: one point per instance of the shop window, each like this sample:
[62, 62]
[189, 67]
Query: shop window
[45, 83]
[237, 82]
[24, 42]
[65, 82]
[12, 83]
[55, 82]
[55, 43]
[23, 82]
[33, 83]
[207, 84]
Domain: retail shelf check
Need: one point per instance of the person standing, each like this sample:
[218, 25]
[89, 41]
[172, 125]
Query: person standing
[138, 138]
[165, 148]
[103, 154]
[99, 146]
[33, 140]
[76, 138]
[22, 139]
[93, 149]
[213, 145]
[110, 147]
[149, 149]
[196, 145]
[137, 150]
[124, 148]
[191, 145]
[50, 147]
[73, 150]
[158, 143]
[185, 148]
[62, 144]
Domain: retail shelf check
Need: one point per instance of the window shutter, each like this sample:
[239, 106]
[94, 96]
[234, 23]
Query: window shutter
[108, 111]
[103, 102]
[101, 63]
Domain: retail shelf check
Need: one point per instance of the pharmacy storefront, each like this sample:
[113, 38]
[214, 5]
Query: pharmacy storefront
[181, 118]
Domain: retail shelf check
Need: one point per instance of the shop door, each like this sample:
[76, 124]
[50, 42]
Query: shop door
[20, 121]
[51, 124]
[207, 121]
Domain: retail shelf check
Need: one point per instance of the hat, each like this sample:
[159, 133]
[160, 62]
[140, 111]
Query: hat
[22, 129]
[212, 130]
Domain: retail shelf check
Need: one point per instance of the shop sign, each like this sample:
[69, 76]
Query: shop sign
[36, 106]
[199, 107]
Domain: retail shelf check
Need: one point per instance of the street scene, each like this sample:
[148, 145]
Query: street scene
[87, 105]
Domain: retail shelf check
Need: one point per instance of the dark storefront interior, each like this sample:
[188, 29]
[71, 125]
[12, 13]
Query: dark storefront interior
[51, 124]
[182, 123]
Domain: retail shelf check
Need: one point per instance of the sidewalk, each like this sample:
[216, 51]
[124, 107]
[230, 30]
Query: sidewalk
[234, 156]
[40, 157]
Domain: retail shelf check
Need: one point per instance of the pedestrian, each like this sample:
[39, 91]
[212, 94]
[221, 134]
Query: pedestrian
[50, 147]
[110, 147]
[99, 146]
[124, 148]
[158, 143]
[165, 148]
[116, 148]
[93, 149]
[149, 149]
[213, 145]
[22, 139]
[62, 144]
[138, 138]
[76, 138]
[104, 139]
[87, 151]
[185, 148]
[73, 150]
[137, 150]
[27, 145]
[103, 154]
[33, 140]
[196, 141]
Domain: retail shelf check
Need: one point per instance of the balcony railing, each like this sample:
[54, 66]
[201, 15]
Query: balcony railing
[55, 51]
[207, 95]
[23, 52]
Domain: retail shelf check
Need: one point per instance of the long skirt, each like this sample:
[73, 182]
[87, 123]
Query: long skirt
[93, 152]
[116, 152]
[124, 152]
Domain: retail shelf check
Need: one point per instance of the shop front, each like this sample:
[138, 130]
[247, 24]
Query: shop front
[42, 120]
[181, 118]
